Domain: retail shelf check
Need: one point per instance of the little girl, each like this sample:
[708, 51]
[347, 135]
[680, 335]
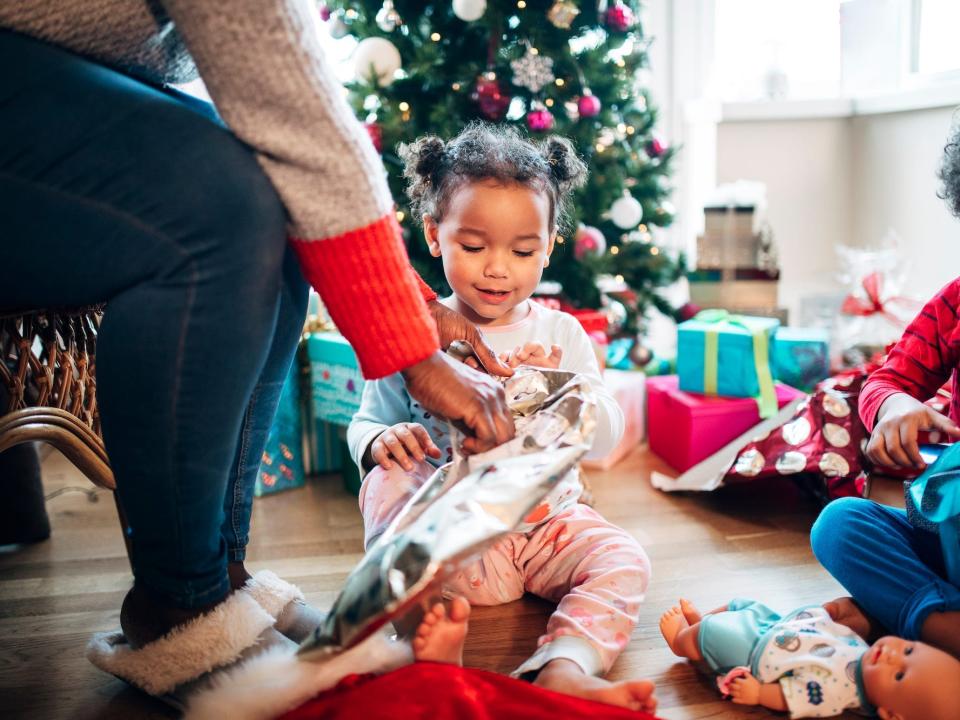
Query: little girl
[491, 203]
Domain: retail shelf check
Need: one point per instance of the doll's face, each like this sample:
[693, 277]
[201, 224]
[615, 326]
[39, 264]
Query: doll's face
[909, 680]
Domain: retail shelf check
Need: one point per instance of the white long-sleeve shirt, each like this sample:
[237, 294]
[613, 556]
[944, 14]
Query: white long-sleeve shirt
[385, 402]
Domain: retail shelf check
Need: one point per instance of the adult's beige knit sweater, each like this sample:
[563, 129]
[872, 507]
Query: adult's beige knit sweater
[264, 68]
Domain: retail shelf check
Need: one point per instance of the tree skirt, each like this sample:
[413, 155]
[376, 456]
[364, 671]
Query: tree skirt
[447, 692]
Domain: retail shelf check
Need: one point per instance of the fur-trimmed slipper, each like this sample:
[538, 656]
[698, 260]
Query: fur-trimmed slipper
[174, 666]
[295, 618]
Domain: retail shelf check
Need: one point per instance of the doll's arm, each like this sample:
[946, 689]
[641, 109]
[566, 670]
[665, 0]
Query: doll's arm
[747, 690]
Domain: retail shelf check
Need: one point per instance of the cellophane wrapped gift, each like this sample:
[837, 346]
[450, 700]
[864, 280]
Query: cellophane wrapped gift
[874, 312]
[464, 507]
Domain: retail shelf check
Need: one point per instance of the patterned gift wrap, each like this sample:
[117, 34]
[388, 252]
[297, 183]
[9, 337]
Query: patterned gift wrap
[824, 440]
[282, 464]
[335, 379]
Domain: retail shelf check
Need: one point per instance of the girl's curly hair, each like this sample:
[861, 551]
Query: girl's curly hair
[949, 173]
[435, 169]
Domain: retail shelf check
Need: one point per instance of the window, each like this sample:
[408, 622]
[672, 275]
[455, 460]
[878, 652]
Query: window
[777, 49]
[936, 23]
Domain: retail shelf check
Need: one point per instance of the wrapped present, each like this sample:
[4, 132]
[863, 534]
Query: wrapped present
[738, 344]
[801, 356]
[822, 445]
[684, 428]
[591, 320]
[282, 464]
[933, 503]
[629, 390]
[335, 378]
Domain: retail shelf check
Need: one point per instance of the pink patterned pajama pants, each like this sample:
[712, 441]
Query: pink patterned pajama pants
[596, 572]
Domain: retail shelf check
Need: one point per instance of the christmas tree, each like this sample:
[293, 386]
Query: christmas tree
[549, 66]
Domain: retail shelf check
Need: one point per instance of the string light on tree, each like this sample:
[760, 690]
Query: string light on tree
[469, 10]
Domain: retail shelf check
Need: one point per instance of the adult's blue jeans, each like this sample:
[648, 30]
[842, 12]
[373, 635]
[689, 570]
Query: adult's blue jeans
[892, 569]
[115, 191]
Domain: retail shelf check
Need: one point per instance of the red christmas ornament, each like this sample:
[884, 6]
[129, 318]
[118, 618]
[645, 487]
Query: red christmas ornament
[493, 103]
[376, 135]
[656, 146]
[539, 120]
[588, 105]
[619, 17]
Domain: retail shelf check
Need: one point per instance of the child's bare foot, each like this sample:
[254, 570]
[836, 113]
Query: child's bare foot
[671, 623]
[690, 611]
[440, 635]
[565, 676]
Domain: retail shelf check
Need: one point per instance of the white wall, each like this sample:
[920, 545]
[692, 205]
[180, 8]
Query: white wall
[895, 157]
[807, 169]
[847, 181]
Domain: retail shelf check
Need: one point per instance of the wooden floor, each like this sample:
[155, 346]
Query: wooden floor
[746, 541]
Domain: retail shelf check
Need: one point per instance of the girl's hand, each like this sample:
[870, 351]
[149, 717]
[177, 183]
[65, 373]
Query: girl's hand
[894, 439]
[399, 443]
[745, 690]
[535, 354]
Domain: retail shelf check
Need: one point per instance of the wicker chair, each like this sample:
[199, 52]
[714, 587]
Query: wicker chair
[47, 368]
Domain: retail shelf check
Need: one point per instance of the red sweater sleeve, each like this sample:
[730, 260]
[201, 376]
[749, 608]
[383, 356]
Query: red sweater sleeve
[923, 358]
[425, 290]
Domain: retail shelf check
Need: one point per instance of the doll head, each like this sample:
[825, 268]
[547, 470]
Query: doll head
[908, 680]
[491, 202]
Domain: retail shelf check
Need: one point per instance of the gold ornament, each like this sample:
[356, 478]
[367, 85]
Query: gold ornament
[562, 14]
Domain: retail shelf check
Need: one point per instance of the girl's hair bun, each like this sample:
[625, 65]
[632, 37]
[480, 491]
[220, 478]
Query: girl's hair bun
[567, 170]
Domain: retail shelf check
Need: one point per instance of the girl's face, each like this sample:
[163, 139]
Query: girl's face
[495, 240]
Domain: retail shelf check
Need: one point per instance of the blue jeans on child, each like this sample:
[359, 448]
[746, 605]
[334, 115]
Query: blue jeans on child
[892, 569]
[118, 192]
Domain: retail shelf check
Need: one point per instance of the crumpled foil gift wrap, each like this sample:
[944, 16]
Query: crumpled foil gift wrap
[464, 508]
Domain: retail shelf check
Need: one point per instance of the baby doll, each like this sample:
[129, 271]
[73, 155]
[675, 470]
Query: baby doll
[811, 665]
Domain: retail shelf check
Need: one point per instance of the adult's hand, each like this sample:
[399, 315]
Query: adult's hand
[474, 402]
[453, 326]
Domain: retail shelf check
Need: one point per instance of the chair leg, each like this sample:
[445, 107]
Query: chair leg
[125, 529]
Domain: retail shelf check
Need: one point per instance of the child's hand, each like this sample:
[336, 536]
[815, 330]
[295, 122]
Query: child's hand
[894, 439]
[533, 353]
[745, 690]
[399, 443]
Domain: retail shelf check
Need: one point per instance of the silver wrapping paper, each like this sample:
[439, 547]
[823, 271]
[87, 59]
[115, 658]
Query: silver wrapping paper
[464, 508]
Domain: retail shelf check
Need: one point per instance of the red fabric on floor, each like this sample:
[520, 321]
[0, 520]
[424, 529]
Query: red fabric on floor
[447, 692]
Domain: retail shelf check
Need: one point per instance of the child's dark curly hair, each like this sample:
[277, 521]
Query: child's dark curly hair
[950, 171]
[436, 169]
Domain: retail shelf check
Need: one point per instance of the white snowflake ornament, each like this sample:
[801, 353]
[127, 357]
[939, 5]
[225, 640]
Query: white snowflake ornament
[533, 71]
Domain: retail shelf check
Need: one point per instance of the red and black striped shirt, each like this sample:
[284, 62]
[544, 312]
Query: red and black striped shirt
[922, 361]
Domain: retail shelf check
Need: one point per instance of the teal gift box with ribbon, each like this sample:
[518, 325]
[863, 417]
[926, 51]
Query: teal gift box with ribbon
[719, 353]
[933, 503]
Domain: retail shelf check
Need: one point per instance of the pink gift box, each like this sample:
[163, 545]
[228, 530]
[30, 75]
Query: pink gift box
[628, 389]
[685, 428]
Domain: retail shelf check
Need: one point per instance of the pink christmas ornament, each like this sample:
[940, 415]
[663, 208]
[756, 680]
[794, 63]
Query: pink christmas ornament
[588, 105]
[588, 241]
[539, 120]
[493, 103]
[619, 17]
[656, 146]
[324, 12]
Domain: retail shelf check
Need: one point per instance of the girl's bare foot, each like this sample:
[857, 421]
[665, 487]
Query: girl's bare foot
[441, 635]
[565, 676]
